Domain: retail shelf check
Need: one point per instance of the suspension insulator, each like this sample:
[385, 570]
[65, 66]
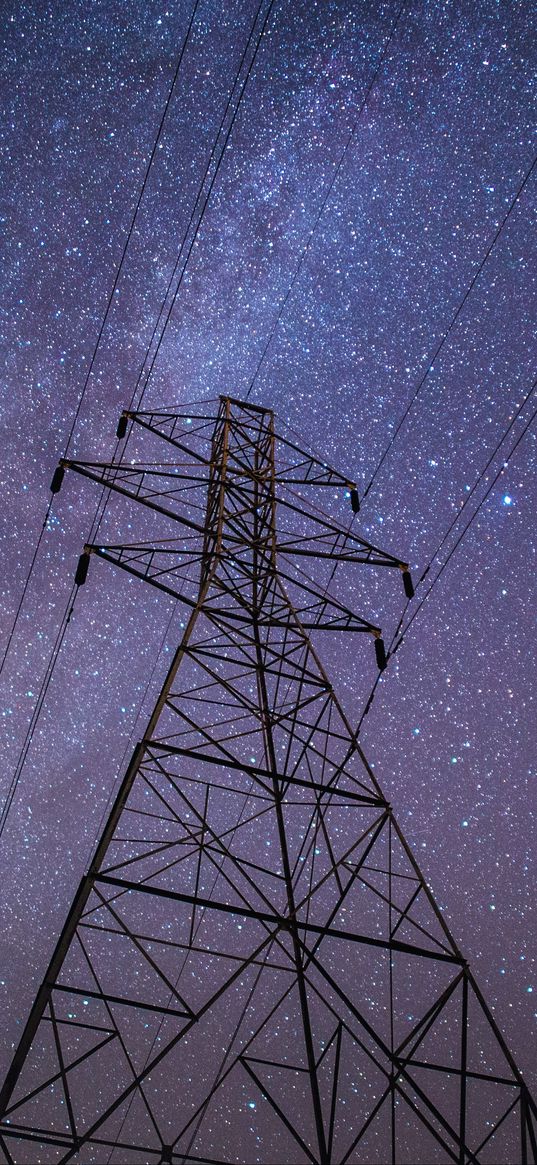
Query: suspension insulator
[380, 652]
[121, 427]
[82, 569]
[355, 501]
[56, 483]
[408, 584]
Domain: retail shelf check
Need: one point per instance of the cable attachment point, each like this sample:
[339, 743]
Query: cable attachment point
[408, 584]
[82, 569]
[57, 480]
[121, 427]
[380, 652]
[355, 500]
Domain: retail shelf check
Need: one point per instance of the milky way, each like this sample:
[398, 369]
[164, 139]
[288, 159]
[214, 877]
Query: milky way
[425, 173]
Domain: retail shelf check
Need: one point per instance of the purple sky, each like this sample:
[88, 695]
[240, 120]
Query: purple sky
[432, 167]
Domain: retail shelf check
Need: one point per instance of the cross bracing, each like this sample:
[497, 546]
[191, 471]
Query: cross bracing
[254, 968]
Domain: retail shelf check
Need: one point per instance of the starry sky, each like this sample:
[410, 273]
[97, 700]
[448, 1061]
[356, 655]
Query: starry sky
[374, 156]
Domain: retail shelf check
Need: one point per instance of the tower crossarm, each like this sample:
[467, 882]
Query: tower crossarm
[170, 570]
[254, 966]
[305, 469]
[181, 430]
[321, 535]
[160, 489]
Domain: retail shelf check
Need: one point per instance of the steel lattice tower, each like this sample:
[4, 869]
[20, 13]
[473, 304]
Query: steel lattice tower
[253, 968]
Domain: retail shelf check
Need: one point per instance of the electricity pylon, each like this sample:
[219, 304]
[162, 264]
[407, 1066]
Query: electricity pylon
[254, 968]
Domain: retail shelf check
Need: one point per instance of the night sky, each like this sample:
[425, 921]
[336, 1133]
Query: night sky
[336, 247]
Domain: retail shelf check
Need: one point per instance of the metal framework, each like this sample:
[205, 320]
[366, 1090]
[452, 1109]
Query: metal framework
[253, 968]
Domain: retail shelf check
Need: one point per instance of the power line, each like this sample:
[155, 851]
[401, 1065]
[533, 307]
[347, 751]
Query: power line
[134, 217]
[470, 522]
[479, 479]
[98, 518]
[101, 508]
[455, 316]
[211, 158]
[429, 368]
[402, 629]
[26, 584]
[450, 326]
[45, 684]
[211, 184]
[466, 502]
[103, 499]
[319, 215]
[104, 321]
[326, 198]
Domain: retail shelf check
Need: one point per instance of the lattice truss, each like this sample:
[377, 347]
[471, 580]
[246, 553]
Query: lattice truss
[254, 969]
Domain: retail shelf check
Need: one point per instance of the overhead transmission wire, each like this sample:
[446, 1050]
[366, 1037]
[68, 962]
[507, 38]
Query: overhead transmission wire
[69, 608]
[450, 326]
[70, 602]
[403, 628]
[324, 203]
[399, 633]
[37, 709]
[326, 198]
[101, 505]
[401, 422]
[444, 336]
[164, 315]
[104, 321]
[210, 188]
[471, 520]
[478, 480]
[105, 492]
[438, 349]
